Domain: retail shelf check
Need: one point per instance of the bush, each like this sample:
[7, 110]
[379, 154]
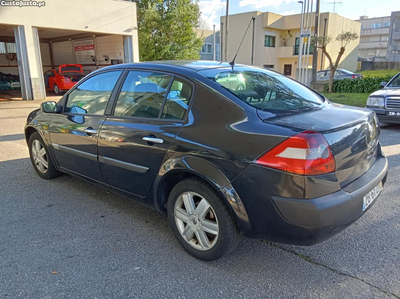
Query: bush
[359, 85]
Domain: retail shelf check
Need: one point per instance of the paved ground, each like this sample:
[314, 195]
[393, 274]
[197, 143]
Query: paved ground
[68, 239]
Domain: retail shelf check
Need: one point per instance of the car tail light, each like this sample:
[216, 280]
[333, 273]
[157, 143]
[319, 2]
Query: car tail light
[354, 76]
[65, 79]
[307, 153]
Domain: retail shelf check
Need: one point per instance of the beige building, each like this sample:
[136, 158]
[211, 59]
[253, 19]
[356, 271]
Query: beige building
[374, 38]
[277, 40]
[34, 39]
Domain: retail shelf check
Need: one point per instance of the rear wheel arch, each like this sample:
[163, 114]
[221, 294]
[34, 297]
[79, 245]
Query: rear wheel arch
[166, 181]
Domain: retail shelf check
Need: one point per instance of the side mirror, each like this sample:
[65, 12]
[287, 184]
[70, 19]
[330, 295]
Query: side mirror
[50, 107]
[383, 84]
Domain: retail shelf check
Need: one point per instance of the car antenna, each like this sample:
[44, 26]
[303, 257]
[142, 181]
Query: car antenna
[232, 63]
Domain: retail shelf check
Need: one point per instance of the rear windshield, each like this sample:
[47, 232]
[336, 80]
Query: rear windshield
[346, 72]
[395, 82]
[263, 89]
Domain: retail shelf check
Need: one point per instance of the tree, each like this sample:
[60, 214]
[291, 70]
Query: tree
[344, 38]
[166, 29]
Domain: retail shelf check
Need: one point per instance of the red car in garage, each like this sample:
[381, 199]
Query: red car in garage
[63, 78]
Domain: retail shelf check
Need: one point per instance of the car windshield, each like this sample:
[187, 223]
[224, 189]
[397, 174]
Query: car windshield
[263, 89]
[395, 82]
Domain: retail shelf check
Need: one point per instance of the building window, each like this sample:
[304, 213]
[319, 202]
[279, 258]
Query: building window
[376, 25]
[384, 38]
[269, 41]
[386, 24]
[9, 46]
[296, 48]
[206, 49]
[268, 66]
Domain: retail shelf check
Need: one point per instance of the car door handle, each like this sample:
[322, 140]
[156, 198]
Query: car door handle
[153, 139]
[90, 131]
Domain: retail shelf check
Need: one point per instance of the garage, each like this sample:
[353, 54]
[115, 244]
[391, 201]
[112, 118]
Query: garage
[37, 61]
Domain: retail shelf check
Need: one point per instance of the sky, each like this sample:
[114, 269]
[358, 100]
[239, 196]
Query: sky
[212, 9]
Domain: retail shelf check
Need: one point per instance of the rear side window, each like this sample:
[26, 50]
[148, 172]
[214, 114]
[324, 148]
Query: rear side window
[178, 98]
[142, 94]
[91, 97]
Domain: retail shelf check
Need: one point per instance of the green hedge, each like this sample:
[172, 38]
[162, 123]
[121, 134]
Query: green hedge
[361, 85]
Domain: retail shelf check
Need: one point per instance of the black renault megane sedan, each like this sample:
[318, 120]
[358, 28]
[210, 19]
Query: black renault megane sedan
[272, 160]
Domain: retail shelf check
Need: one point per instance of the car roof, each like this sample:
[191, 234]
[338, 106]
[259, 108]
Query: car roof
[195, 65]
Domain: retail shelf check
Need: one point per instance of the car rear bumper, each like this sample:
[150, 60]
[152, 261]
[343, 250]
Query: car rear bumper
[66, 85]
[310, 221]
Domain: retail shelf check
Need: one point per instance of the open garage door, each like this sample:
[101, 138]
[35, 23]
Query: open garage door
[55, 53]
[67, 51]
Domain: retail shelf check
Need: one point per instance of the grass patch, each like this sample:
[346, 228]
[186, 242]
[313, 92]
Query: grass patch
[379, 73]
[352, 99]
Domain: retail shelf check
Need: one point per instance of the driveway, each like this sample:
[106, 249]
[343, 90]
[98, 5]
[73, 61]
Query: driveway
[66, 238]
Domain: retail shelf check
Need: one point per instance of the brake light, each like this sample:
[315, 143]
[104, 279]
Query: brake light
[307, 153]
[354, 77]
[65, 79]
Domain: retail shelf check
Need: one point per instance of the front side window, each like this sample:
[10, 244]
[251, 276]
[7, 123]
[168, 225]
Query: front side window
[269, 41]
[142, 94]
[178, 98]
[91, 97]
[266, 90]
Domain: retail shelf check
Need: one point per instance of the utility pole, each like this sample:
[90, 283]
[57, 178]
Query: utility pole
[299, 64]
[252, 41]
[226, 31]
[315, 53]
[322, 56]
[214, 54]
[334, 4]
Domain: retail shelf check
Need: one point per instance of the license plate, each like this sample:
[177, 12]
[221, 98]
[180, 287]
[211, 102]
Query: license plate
[371, 196]
[393, 113]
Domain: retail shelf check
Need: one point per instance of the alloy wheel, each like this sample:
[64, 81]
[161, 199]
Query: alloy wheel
[196, 221]
[39, 156]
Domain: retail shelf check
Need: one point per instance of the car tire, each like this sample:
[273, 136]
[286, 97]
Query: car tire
[56, 89]
[201, 221]
[40, 157]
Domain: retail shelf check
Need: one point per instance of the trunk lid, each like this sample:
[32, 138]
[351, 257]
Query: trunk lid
[70, 68]
[352, 134]
[73, 72]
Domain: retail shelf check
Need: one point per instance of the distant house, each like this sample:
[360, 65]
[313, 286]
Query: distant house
[207, 51]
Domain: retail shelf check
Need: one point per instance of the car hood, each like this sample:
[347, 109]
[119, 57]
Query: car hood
[386, 92]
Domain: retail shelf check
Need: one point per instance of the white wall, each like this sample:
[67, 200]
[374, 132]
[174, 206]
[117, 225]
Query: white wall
[111, 45]
[63, 53]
